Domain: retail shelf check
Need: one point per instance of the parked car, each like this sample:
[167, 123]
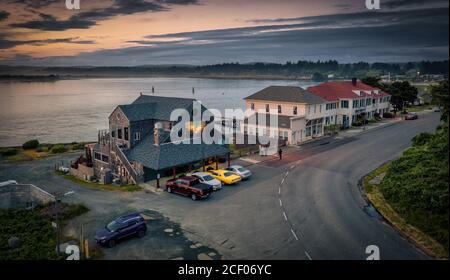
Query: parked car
[122, 227]
[225, 176]
[208, 179]
[6, 183]
[241, 171]
[411, 116]
[189, 186]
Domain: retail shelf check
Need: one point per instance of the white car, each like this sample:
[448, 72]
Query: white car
[241, 171]
[206, 178]
[10, 182]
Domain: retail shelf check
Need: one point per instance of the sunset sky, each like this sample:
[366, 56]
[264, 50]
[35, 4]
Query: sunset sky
[144, 32]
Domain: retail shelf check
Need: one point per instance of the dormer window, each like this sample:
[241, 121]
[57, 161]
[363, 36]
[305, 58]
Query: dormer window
[137, 136]
[295, 110]
[267, 108]
[279, 109]
[252, 106]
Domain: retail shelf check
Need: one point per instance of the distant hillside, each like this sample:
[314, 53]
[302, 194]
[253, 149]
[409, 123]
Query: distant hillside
[291, 70]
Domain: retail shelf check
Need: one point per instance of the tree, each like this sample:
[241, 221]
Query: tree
[401, 92]
[318, 77]
[372, 81]
[439, 96]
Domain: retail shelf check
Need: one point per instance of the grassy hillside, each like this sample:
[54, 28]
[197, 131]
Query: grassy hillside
[416, 185]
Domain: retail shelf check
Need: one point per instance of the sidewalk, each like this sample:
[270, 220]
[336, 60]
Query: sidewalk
[353, 131]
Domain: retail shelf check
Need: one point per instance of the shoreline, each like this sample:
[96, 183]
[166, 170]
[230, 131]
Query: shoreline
[54, 78]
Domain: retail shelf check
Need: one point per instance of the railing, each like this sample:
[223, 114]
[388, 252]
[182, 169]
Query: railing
[123, 159]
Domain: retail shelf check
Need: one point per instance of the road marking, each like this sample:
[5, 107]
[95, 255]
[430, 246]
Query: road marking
[282, 181]
[285, 217]
[281, 203]
[254, 161]
[309, 257]
[279, 190]
[292, 166]
[287, 173]
[293, 233]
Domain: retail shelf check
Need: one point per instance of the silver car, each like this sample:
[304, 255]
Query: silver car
[241, 171]
[206, 178]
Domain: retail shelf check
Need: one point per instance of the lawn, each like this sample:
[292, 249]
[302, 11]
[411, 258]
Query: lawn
[93, 185]
[375, 196]
[43, 151]
[418, 108]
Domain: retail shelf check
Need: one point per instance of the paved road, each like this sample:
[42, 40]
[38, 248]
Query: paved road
[323, 207]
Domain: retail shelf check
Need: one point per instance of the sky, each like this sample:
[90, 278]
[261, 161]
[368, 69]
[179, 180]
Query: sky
[198, 32]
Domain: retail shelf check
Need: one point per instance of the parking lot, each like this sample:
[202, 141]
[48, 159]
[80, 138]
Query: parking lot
[177, 226]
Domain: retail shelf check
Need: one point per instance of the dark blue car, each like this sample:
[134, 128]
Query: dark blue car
[120, 228]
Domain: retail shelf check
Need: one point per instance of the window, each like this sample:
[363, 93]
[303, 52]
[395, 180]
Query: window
[137, 136]
[97, 156]
[113, 133]
[101, 157]
[355, 104]
[295, 110]
[125, 132]
[252, 106]
[267, 108]
[320, 108]
[309, 110]
[119, 133]
[105, 158]
[344, 103]
[279, 109]
[315, 108]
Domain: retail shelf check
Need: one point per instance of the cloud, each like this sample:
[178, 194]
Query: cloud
[36, 4]
[413, 3]
[7, 44]
[90, 18]
[4, 15]
[395, 36]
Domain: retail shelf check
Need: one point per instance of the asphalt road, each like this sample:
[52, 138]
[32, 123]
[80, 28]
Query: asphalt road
[324, 207]
[318, 213]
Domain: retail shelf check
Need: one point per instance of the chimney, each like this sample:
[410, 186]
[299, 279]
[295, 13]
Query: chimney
[354, 81]
[157, 133]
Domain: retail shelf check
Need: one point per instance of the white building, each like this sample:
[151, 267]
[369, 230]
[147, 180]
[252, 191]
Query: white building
[303, 114]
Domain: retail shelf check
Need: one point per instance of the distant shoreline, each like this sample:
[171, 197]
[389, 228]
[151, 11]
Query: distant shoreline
[54, 78]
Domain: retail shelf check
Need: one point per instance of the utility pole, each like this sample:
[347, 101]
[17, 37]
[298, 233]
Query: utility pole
[57, 198]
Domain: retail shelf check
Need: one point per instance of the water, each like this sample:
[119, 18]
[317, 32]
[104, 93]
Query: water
[74, 110]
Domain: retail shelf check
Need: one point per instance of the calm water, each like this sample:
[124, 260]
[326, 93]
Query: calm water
[74, 110]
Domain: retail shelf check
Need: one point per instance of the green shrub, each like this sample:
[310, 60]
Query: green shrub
[57, 149]
[421, 139]
[78, 146]
[9, 152]
[30, 145]
[416, 184]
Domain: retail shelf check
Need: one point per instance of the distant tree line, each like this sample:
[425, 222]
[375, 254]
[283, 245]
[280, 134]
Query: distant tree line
[320, 69]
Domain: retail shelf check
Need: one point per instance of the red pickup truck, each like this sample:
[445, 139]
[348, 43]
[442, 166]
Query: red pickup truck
[189, 186]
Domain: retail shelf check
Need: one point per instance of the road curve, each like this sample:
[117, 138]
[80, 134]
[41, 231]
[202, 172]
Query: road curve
[323, 207]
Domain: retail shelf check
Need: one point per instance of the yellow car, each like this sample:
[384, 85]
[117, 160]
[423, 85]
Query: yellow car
[225, 176]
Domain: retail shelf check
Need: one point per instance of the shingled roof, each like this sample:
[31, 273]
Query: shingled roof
[286, 94]
[155, 107]
[333, 91]
[169, 154]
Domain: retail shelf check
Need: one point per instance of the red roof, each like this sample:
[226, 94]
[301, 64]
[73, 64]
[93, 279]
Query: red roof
[333, 91]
